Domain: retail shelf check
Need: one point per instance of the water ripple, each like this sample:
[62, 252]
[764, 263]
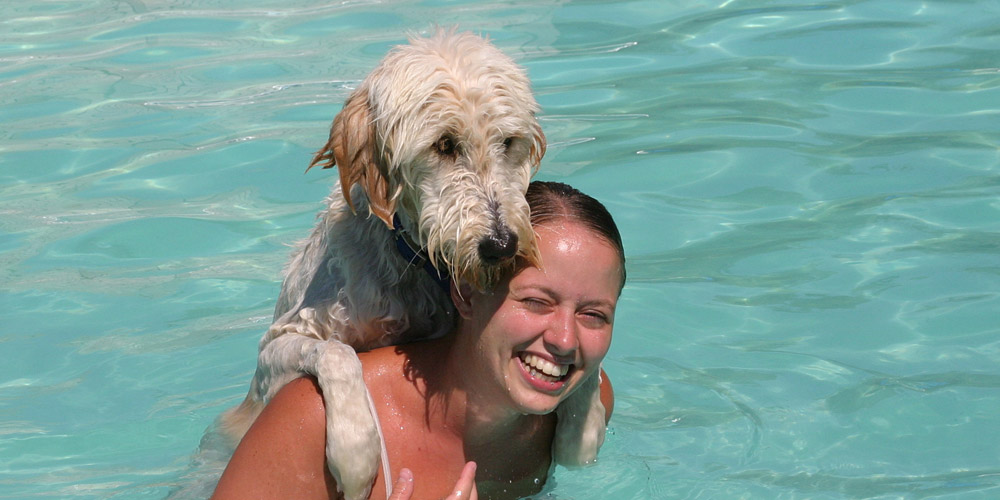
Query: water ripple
[808, 194]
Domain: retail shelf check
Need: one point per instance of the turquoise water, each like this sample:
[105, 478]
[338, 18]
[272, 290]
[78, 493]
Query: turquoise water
[808, 194]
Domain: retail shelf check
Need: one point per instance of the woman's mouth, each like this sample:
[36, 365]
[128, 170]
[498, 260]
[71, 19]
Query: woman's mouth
[542, 373]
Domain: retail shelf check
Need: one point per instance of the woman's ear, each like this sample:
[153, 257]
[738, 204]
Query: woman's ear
[461, 296]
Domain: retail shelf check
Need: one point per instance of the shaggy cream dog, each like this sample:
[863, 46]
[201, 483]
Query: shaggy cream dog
[435, 150]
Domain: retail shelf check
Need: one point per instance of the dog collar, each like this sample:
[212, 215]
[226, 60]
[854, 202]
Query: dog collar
[417, 257]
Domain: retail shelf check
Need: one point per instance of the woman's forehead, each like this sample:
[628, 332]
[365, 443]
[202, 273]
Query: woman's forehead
[573, 251]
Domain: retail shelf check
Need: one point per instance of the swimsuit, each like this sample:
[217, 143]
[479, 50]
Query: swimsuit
[386, 470]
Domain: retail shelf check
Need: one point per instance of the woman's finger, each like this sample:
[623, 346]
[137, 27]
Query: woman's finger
[403, 488]
[465, 488]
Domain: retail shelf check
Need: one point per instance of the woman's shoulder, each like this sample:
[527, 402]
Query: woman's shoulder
[303, 394]
[401, 361]
[284, 450]
[300, 402]
[381, 362]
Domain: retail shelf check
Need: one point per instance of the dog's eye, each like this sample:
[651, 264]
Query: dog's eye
[507, 142]
[445, 146]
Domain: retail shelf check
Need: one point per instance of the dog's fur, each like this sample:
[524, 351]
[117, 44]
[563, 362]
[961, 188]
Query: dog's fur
[443, 135]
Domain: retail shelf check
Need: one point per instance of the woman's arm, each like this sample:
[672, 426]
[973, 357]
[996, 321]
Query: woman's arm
[607, 396]
[283, 455]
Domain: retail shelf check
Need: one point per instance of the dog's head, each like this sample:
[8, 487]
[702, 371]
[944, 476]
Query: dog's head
[443, 133]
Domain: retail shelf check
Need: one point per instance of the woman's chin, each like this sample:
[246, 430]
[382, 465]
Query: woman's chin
[530, 402]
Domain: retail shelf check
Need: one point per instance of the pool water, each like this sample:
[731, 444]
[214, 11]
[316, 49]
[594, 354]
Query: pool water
[808, 194]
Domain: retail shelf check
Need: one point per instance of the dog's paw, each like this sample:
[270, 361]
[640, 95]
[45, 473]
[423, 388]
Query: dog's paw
[352, 439]
[581, 425]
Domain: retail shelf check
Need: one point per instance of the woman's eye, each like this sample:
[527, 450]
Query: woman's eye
[535, 304]
[595, 319]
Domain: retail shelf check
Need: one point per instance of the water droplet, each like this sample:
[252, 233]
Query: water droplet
[537, 480]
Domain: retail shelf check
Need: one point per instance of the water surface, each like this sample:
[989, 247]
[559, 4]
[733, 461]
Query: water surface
[808, 194]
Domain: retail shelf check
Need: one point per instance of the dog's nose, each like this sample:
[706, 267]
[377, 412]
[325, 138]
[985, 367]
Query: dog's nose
[500, 245]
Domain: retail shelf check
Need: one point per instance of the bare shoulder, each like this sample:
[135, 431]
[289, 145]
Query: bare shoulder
[378, 363]
[283, 453]
[303, 397]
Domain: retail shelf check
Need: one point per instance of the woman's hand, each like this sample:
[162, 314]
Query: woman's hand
[465, 488]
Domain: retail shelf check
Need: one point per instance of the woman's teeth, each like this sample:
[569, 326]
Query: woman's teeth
[543, 368]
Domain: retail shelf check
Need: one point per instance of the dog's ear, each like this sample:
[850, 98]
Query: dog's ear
[351, 148]
[537, 148]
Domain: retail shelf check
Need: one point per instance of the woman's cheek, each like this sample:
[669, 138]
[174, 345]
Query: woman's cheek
[595, 345]
[521, 323]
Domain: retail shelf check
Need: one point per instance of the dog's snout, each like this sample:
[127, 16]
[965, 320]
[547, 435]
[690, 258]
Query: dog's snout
[498, 246]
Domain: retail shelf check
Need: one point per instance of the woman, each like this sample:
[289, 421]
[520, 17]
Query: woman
[477, 404]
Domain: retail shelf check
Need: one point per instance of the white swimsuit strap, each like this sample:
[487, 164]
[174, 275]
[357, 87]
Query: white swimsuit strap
[386, 470]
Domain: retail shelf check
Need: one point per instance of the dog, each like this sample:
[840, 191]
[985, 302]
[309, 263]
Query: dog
[434, 150]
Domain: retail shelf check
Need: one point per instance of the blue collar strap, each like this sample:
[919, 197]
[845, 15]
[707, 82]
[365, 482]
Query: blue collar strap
[417, 257]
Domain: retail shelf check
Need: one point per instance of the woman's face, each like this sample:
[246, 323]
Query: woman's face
[548, 328]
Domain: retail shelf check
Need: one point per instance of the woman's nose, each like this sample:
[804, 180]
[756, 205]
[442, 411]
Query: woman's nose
[561, 336]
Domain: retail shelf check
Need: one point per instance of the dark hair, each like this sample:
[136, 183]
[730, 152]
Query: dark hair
[551, 201]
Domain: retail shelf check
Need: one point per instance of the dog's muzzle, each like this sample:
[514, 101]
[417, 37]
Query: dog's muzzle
[498, 246]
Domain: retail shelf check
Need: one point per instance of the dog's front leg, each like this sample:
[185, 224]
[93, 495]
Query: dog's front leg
[581, 424]
[352, 440]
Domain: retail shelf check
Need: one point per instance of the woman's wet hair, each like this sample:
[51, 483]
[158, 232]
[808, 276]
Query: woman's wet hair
[551, 201]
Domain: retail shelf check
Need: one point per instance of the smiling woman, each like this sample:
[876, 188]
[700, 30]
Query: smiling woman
[518, 351]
